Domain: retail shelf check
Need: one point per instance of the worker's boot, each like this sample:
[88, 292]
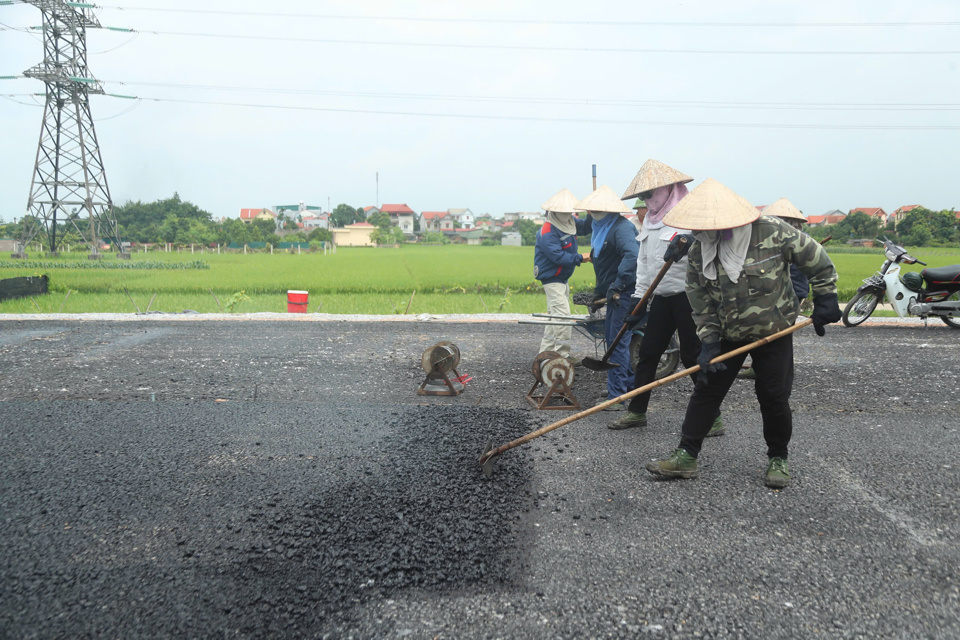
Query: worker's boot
[679, 465]
[717, 429]
[628, 420]
[747, 374]
[778, 474]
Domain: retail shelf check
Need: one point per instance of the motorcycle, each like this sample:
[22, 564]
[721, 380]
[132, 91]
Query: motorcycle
[931, 292]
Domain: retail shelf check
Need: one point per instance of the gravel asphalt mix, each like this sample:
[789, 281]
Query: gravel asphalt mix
[200, 479]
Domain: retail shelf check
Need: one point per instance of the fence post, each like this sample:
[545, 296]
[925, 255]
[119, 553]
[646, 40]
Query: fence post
[271, 248]
[244, 249]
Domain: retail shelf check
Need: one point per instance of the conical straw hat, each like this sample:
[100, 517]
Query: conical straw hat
[783, 208]
[562, 202]
[711, 206]
[639, 204]
[654, 174]
[603, 199]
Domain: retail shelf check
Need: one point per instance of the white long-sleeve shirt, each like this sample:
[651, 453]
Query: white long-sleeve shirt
[654, 240]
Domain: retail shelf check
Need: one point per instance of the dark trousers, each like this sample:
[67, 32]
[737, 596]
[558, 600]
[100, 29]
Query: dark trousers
[665, 315]
[618, 380]
[773, 364]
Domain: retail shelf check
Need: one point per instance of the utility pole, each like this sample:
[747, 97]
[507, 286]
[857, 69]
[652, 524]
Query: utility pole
[378, 190]
[68, 171]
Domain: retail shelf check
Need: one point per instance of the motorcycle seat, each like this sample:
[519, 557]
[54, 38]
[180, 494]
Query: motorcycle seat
[942, 275]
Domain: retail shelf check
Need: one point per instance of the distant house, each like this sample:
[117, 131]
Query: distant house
[367, 211]
[900, 212]
[472, 236]
[873, 212]
[354, 235]
[511, 239]
[824, 220]
[247, 216]
[400, 216]
[533, 216]
[463, 218]
[297, 209]
[436, 221]
[485, 220]
[319, 221]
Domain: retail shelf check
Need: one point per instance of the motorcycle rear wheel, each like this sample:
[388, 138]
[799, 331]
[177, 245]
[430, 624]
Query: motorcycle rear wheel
[860, 307]
[953, 323]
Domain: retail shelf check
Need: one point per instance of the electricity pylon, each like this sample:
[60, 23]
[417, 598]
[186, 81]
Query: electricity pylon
[69, 182]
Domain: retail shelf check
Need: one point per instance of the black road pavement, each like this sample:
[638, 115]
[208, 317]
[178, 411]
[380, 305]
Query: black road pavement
[254, 479]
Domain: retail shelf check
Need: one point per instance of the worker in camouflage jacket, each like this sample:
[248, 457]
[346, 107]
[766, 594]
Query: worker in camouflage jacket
[732, 311]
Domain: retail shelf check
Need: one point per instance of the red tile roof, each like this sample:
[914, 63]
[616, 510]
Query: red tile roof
[825, 219]
[359, 225]
[249, 214]
[396, 208]
[906, 208]
[870, 211]
[507, 225]
[434, 215]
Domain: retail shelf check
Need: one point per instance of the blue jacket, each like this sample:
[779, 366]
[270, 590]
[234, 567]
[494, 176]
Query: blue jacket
[616, 266]
[555, 255]
[801, 284]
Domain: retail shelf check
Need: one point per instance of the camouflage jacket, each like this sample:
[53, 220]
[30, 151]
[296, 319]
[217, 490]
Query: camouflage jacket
[762, 301]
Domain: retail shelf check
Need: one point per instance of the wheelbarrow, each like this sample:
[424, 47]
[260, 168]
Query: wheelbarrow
[592, 328]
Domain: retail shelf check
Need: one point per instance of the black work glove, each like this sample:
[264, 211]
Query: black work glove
[709, 351]
[631, 321]
[826, 310]
[612, 296]
[678, 247]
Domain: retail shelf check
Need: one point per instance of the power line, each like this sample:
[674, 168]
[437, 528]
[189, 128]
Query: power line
[565, 48]
[786, 106]
[734, 125]
[519, 21]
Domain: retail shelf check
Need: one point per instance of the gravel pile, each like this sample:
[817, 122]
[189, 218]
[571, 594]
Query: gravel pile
[169, 520]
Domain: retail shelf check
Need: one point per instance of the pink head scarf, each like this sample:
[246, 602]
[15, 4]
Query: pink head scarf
[663, 199]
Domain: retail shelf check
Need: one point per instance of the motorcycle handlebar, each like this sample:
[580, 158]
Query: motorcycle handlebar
[923, 263]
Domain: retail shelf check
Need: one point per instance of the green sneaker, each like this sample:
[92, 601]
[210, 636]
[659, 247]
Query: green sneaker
[747, 374]
[628, 420]
[717, 429]
[680, 464]
[778, 475]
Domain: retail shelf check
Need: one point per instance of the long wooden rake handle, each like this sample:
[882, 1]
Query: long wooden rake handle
[647, 387]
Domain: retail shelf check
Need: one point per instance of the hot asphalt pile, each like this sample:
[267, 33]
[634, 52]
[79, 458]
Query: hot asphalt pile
[184, 520]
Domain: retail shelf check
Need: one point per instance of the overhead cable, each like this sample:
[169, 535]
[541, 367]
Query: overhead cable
[734, 125]
[521, 21]
[614, 102]
[559, 48]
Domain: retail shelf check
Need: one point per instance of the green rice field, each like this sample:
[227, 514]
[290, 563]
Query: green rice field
[447, 279]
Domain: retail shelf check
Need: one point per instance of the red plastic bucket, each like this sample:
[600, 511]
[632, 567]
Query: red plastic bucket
[297, 301]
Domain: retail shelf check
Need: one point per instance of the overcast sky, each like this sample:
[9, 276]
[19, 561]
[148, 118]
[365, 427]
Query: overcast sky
[572, 105]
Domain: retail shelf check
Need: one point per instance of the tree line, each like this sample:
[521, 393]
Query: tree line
[919, 228]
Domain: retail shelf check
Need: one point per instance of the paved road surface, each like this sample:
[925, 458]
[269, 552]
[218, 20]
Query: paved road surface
[246, 479]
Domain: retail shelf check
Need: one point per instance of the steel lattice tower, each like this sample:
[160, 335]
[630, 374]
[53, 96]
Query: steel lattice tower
[69, 182]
